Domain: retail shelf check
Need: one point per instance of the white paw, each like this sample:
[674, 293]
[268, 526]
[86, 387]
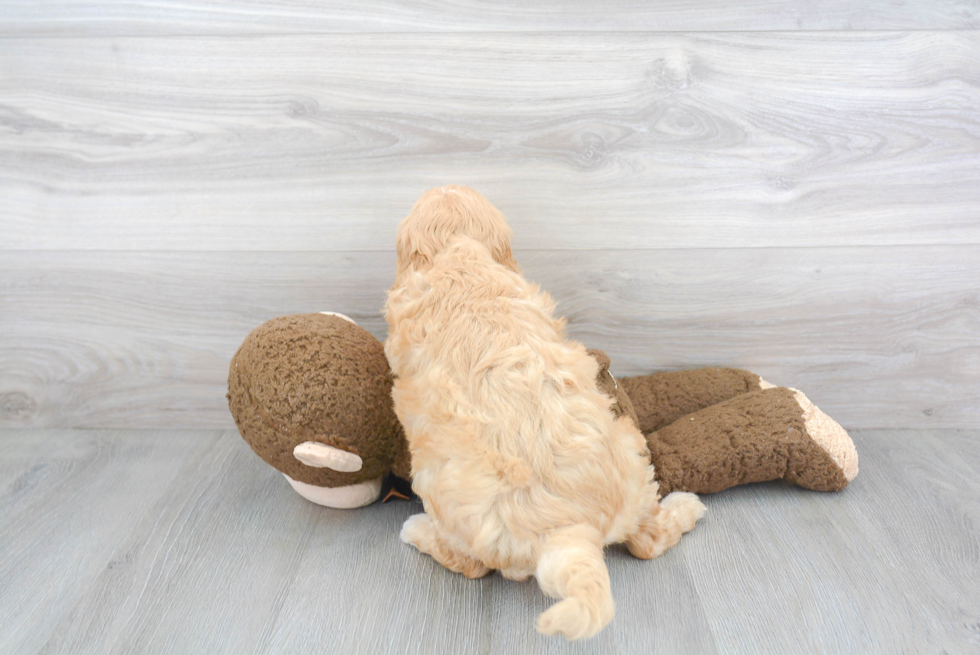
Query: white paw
[416, 530]
[518, 574]
[685, 507]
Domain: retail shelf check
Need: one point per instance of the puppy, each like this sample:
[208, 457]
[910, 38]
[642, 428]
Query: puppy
[519, 462]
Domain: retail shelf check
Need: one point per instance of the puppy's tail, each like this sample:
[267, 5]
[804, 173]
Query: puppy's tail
[571, 567]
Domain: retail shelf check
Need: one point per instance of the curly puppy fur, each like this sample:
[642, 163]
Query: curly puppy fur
[518, 460]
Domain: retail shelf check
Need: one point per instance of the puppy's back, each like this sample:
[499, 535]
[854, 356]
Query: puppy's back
[503, 379]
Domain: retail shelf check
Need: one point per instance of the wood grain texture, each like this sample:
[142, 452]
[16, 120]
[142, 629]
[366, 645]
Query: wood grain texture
[187, 542]
[606, 140]
[225, 539]
[123, 17]
[924, 533]
[67, 500]
[875, 336]
[880, 567]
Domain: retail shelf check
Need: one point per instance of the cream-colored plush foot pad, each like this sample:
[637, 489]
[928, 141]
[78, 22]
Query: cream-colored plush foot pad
[829, 435]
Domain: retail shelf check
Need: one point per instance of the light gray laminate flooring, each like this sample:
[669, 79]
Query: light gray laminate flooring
[184, 541]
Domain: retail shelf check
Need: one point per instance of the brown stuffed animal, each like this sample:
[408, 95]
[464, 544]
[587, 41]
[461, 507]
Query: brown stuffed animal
[311, 394]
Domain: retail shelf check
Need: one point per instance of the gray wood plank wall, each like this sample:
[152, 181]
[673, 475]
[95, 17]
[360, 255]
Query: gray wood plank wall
[792, 188]
[119, 17]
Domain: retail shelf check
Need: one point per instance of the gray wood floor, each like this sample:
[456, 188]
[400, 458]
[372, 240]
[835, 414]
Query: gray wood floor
[184, 541]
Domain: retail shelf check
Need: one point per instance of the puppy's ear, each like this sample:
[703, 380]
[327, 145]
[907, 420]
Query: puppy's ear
[506, 257]
[412, 251]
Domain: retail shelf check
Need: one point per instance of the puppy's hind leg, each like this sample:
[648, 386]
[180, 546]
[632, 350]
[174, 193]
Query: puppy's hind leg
[421, 532]
[664, 524]
[571, 567]
[519, 574]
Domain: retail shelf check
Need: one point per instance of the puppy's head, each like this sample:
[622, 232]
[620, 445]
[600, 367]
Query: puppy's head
[443, 213]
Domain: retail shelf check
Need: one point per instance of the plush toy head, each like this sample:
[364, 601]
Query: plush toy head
[311, 394]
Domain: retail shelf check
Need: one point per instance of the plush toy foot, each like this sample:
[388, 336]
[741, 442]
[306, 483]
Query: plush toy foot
[662, 398]
[769, 434]
[831, 438]
[349, 497]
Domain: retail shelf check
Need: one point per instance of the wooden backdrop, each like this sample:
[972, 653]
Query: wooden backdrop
[789, 187]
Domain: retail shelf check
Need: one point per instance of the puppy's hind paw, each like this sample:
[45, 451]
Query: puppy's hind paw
[418, 531]
[685, 508]
[421, 532]
[677, 514]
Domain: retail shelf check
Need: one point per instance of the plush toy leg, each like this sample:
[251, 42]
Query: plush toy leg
[571, 567]
[663, 526]
[421, 532]
[662, 398]
[769, 434]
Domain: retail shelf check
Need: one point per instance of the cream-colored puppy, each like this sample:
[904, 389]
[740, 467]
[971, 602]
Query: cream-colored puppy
[518, 459]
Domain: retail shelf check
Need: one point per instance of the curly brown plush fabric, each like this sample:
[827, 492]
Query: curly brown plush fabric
[711, 429]
[662, 398]
[313, 377]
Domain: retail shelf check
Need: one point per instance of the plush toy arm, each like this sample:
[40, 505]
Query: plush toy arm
[769, 434]
[662, 398]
